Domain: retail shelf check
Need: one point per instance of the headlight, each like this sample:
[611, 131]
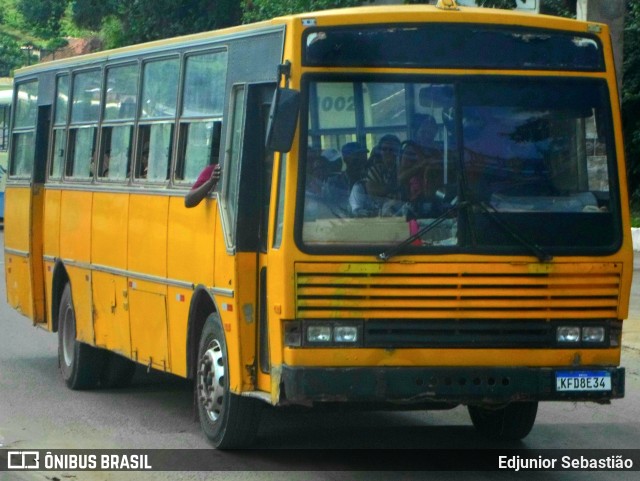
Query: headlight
[586, 334]
[323, 333]
[568, 334]
[319, 333]
[593, 334]
[345, 334]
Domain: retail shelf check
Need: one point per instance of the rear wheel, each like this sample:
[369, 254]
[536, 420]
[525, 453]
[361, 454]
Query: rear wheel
[509, 423]
[80, 364]
[228, 420]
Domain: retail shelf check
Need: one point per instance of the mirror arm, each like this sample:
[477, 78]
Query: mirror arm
[284, 71]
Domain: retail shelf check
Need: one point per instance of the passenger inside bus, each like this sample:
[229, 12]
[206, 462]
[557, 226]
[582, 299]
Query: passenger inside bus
[144, 160]
[426, 197]
[413, 162]
[203, 186]
[361, 203]
[425, 134]
[104, 167]
[316, 205]
[382, 176]
[339, 184]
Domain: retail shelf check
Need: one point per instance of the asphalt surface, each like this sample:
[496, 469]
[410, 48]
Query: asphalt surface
[631, 327]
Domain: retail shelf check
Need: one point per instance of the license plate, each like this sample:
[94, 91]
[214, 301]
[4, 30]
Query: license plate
[583, 381]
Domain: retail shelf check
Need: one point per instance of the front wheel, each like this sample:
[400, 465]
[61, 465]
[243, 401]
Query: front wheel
[80, 364]
[508, 423]
[228, 420]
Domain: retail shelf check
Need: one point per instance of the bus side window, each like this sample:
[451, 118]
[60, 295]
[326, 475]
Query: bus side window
[155, 144]
[116, 152]
[24, 124]
[120, 105]
[201, 114]
[200, 146]
[23, 148]
[142, 163]
[57, 157]
[85, 112]
[158, 110]
[82, 159]
[61, 117]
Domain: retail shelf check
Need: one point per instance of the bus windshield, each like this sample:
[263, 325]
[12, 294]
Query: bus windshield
[486, 156]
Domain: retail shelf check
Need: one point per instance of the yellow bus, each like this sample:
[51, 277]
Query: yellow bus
[419, 208]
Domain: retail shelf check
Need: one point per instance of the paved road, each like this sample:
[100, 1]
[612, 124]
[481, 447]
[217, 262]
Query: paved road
[631, 329]
[37, 411]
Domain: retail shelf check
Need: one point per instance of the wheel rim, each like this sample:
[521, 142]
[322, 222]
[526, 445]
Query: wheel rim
[68, 336]
[211, 380]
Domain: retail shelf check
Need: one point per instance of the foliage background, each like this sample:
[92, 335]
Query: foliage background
[45, 24]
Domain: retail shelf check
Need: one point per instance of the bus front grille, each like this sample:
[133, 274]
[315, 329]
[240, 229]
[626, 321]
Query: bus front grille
[438, 291]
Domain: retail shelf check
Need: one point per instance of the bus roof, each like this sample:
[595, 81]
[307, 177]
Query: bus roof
[419, 13]
[392, 14]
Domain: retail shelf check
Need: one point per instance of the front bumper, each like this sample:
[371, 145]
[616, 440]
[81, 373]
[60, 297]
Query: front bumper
[423, 385]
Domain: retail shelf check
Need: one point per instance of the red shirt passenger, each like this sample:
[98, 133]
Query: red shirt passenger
[204, 184]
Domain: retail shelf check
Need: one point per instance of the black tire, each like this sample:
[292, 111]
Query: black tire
[117, 372]
[80, 364]
[229, 421]
[509, 423]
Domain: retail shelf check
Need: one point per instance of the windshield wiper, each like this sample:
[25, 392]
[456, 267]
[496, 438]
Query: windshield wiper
[389, 253]
[493, 214]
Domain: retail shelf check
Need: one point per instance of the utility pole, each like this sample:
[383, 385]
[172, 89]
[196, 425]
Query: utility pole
[610, 12]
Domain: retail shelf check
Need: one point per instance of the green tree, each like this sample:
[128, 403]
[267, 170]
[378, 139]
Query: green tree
[90, 14]
[560, 8]
[11, 57]
[125, 22]
[112, 32]
[631, 96]
[255, 10]
[144, 20]
[43, 17]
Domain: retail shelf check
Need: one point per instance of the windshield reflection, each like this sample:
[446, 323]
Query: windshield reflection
[384, 159]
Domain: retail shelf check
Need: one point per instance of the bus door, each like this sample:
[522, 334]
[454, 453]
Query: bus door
[249, 166]
[24, 217]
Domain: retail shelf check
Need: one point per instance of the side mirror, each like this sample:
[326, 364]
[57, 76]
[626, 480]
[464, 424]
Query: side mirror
[283, 118]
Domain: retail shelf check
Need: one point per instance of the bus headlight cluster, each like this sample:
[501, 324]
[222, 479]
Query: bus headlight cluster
[318, 333]
[593, 334]
[323, 333]
[342, 334]
[576, 334]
